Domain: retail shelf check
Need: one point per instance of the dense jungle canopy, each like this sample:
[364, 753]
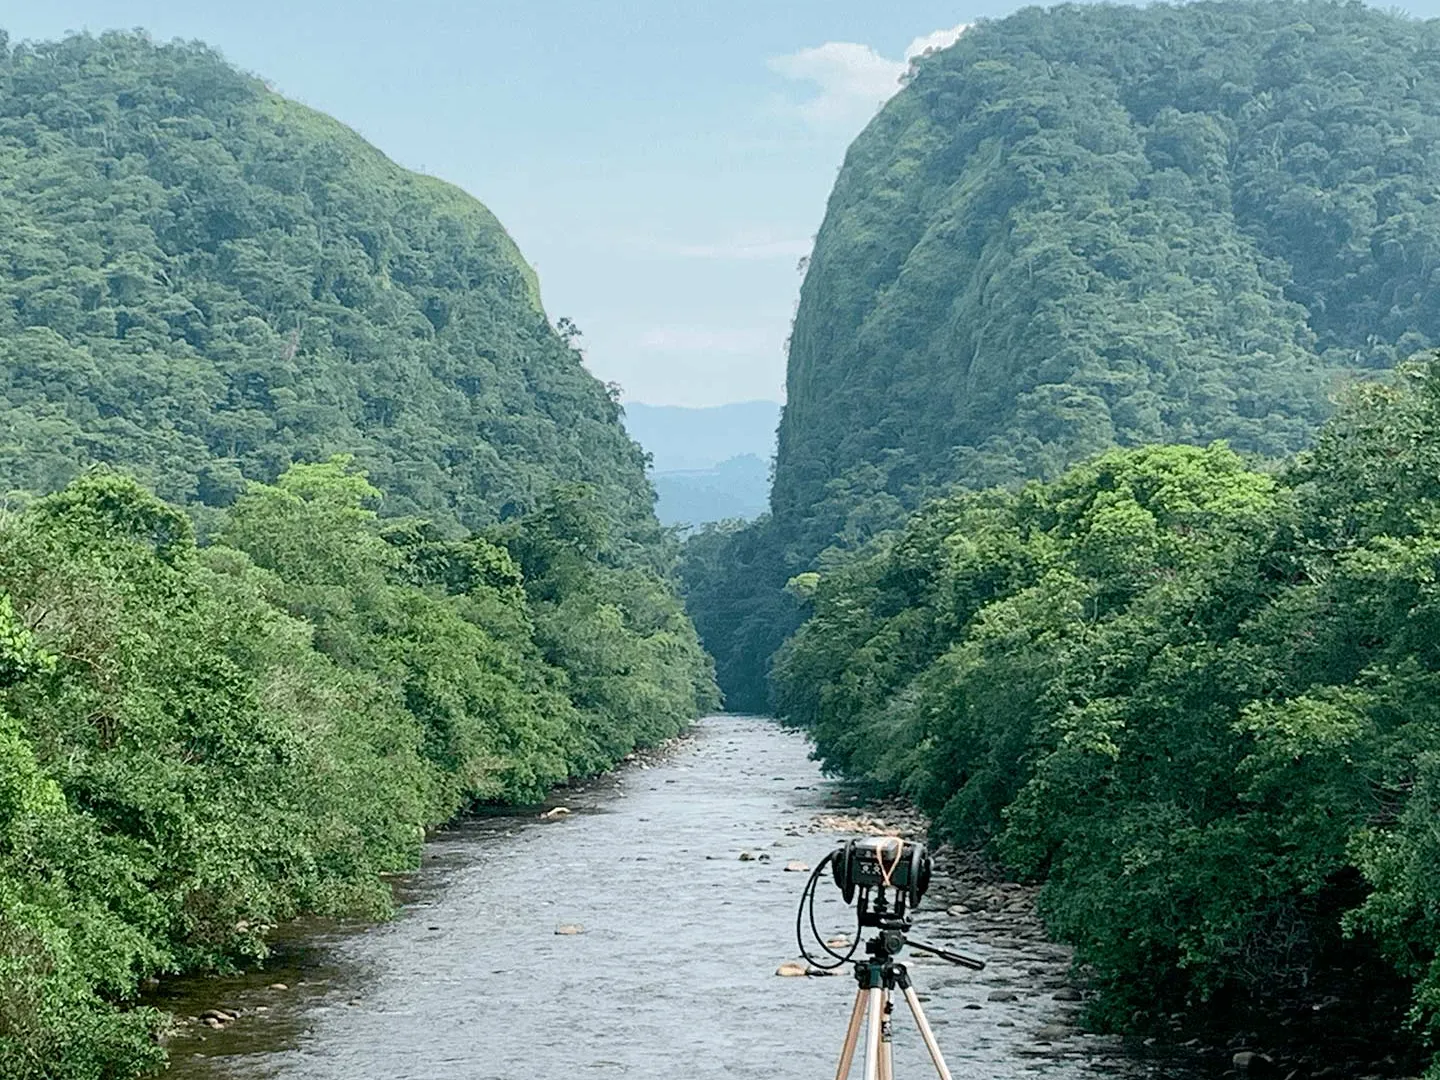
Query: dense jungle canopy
[317, 534]
[204, 282]
[1091, 226]
[1199, 701]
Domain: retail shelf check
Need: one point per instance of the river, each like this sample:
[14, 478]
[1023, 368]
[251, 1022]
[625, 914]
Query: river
[673, 972]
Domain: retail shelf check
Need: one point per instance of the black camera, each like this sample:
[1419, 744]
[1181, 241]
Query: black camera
[882, 862]
[884, 877]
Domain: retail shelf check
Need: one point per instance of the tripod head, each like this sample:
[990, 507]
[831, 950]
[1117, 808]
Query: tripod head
[891, 937]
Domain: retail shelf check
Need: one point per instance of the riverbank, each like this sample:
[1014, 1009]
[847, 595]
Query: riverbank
[201, 1006]
[670, 972]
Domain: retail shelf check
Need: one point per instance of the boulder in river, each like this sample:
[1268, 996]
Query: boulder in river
[556, 812]
[792, 970]
[1054, 1032]
[1252, 1064]
[569, 929]
[795, 867]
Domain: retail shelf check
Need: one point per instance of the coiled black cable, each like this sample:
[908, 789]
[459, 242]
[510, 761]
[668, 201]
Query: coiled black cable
[807, 900]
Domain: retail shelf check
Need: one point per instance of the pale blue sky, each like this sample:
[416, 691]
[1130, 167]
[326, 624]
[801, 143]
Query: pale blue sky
[663, 165]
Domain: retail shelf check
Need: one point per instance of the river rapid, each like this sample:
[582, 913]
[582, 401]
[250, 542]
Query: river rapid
[673, 971]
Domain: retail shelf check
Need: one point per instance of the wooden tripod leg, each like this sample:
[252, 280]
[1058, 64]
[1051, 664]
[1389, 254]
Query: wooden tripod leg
[926, 1033]
[887, 1047]
[872, 1032]
[852, 1036]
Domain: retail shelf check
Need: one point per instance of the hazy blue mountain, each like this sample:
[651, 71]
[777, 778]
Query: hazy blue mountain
[709, 464]
[682, 439]
[738, 487]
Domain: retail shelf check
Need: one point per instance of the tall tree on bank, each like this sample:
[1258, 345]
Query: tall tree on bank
[1198, 701]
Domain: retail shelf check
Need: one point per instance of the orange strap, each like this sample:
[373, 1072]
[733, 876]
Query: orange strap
[885, 871]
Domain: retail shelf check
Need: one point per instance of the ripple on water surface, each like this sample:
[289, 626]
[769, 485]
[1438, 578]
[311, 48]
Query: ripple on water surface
[672, 976]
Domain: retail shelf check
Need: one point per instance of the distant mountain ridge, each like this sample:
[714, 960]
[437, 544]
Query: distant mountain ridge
[738, 488]
[709, 463]
[680, 438]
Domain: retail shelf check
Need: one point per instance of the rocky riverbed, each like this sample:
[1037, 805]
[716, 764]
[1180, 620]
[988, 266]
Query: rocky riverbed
[638, 933]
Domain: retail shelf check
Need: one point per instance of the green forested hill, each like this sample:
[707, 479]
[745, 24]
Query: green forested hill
[1095, 225]
[427, 573]
[204, 282]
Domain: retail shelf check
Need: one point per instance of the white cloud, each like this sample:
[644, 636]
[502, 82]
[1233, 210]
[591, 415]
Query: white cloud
[746, 247]
[936, 39]
[852, 80]
[745, 250]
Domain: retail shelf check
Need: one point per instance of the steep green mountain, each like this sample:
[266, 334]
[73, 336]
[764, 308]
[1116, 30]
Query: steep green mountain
[1095, 225]
[204, 282]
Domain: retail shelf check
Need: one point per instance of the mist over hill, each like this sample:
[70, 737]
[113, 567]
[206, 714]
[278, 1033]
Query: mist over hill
[709, 464]
[736, 488]
[680, 438]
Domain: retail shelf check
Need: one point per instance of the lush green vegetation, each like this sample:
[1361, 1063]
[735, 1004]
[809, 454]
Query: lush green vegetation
[198, 742]
[1200, 701]
[430, 577]
[204, 282]
[1093, 226]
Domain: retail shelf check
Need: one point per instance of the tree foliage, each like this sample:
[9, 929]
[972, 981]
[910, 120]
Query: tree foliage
[197, 743]
[204, 282]
[1198, 700]
[1100, 225]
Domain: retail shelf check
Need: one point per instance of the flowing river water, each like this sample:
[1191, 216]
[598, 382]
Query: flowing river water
[673, 973]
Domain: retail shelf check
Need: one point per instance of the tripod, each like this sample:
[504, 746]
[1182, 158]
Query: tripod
[878, 978]
[884, 883]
